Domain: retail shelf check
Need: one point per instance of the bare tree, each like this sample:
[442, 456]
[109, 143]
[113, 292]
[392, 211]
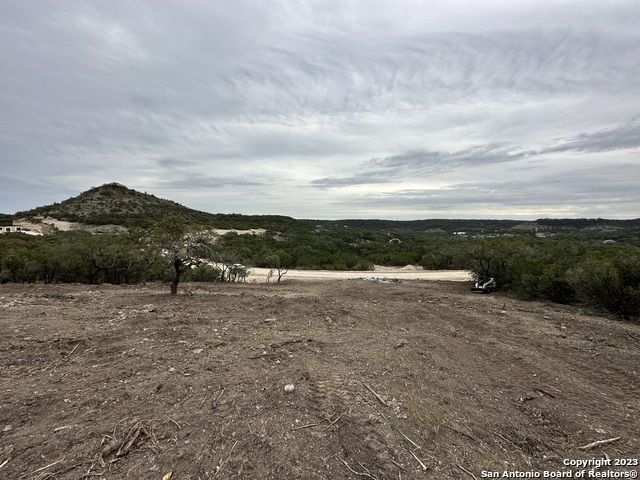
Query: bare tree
[281, 262]
[238, 273]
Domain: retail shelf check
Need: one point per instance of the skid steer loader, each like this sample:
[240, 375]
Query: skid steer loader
[485, 285]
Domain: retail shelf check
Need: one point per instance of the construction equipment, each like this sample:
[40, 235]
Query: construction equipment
[485, 285]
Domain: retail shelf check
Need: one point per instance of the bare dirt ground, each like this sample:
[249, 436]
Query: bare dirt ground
[66, 226]
[411, 380]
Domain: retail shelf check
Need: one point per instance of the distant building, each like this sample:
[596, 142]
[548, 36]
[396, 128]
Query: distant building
[7, 226]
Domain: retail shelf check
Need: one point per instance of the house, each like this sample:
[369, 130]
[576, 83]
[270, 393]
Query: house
[7, 226]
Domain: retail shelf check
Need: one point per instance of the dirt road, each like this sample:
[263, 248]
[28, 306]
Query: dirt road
[398, 273]
[416, 380]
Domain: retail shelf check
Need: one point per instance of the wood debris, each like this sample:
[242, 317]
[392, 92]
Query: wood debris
[380, 399]
[360, 474]
[467, 471]
[43, 468]
[539, 390]
[424, 467]
[598, 443]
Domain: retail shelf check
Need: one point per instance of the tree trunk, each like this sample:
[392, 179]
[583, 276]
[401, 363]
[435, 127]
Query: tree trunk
[176, 280]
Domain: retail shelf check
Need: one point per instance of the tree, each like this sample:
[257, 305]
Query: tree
[488, 261]
[181, 244]
[237, 273]
[503, 259]
[220, 260]
[281, 261]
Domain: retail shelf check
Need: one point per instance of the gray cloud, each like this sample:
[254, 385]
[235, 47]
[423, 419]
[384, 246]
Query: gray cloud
[421, 164]
[577, 193]
[624, 136]
[424, 164]
[209, 101]
[206, 183]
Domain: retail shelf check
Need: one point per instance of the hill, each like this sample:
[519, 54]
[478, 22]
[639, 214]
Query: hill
[115, 204]
[440, 225]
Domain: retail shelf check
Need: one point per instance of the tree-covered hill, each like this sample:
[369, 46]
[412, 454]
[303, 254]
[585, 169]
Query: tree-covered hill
[486, 226]
[116, 204]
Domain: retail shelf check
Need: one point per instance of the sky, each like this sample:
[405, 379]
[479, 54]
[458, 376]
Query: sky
[326, 109]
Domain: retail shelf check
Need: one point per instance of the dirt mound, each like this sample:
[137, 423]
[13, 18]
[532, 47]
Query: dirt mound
[407, 380]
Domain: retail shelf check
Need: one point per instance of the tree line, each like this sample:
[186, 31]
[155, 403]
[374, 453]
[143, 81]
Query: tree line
[570, 268]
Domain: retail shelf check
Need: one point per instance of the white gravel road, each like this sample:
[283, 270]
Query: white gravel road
[401, 273]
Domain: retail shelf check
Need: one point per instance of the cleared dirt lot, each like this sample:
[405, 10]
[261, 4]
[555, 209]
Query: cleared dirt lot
[420, 379]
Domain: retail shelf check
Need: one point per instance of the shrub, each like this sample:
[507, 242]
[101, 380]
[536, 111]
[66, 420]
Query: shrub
[204, 273]
[613, 285]
[550, 284]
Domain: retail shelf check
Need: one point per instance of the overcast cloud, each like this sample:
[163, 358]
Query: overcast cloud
[326, 108]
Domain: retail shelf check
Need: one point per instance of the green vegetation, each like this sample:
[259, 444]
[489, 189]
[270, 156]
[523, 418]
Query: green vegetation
[565, 269]
[181, 244]
[475, 227]
[592, 261]
[115, 204]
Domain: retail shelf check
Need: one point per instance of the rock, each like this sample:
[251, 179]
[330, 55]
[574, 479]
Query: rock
[289, 388]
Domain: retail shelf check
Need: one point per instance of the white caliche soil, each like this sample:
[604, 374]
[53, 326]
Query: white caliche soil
[409, 272]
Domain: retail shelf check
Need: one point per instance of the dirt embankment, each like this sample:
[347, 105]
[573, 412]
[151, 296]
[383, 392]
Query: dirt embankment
[412, 380]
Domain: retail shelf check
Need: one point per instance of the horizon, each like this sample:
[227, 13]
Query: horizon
[474, 109]
[332, 219]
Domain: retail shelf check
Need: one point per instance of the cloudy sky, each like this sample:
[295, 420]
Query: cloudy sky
[326, 108]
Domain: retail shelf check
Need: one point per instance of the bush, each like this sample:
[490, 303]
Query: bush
[612, 285]
[551, 284]
[203, 273]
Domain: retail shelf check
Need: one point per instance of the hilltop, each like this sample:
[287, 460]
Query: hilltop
[116, 204]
